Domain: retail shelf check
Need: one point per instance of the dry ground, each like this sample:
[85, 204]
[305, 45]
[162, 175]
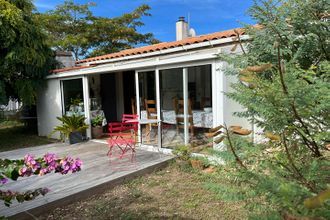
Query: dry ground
[172, 193]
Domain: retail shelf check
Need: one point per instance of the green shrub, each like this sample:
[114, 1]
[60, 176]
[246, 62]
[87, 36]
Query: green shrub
[182, 152]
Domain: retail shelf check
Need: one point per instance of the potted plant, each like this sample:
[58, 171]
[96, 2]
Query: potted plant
[97, 129]
[72, 128]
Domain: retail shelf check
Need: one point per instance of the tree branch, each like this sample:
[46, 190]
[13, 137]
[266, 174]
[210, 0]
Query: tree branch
[295, 169]
[239, 161]
[281, 70]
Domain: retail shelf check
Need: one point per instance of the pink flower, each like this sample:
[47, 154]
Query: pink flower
[31, 162]
[25, 171]
[3, 180]
[49, 158]
[43, 171]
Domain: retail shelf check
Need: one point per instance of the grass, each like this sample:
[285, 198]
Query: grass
[171, 193]
[14, 135]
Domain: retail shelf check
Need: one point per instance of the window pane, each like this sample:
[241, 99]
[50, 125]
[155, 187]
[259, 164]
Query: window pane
[171, 93]
[148, 107]
[73, 97]
[200, 95]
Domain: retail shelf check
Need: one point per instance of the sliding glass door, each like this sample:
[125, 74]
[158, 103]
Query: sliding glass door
[171, 103]
[148, 107]
[200, 95]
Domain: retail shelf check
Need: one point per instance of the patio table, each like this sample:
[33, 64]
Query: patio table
[145, 121]
[201, 118]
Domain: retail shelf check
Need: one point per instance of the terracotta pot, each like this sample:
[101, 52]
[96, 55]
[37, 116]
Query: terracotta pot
[97, 132]
[197, 164]
[210, 169]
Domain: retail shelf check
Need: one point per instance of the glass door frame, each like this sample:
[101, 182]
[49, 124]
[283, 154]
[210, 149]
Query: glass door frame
[138, 104]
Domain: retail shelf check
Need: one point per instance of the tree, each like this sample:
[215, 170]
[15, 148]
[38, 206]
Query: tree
[73, 27]
[25, 57]
[284, 87]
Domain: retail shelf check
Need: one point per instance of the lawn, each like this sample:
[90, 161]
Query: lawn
[171, 193]
[14, 135]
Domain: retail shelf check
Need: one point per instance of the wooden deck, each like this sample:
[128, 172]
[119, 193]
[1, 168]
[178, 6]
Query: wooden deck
[97, 175]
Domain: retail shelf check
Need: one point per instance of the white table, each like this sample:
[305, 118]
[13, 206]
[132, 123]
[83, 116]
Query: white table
[145, 121]
[201, 118]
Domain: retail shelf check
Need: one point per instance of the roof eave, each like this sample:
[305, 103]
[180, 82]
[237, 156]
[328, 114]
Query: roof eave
[170, 50]
[95, 64]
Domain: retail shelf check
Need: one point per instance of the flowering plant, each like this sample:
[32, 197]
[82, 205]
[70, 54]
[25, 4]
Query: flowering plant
[13, 169]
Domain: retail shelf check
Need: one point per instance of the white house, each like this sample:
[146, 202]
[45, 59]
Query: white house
[187, 69]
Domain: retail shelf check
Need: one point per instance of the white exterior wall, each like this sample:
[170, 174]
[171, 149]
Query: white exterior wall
[49, 106]
[231, 106]
[217, 93]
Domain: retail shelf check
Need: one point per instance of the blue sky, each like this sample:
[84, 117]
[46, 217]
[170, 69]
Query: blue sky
[206, 16]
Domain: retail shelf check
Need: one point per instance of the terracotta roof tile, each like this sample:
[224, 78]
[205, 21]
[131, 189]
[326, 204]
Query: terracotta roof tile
[166, 45]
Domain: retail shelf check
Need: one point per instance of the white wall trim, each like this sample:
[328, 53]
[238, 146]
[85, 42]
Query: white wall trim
[87, 106]
[218, 92]
[158, 108]
[185, 105]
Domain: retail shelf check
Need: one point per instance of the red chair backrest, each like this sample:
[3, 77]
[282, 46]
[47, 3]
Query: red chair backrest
[117, 127]
[130, 126]
[127, 117]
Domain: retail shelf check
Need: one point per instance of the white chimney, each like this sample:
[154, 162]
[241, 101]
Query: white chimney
[182, 31]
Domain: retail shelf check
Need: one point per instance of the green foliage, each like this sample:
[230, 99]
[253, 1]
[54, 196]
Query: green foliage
[269, 183]
[73, 27]
[97, 121]
[183, 152]
[284, 87]
[76, 101]
[25, 58]
[74, 123]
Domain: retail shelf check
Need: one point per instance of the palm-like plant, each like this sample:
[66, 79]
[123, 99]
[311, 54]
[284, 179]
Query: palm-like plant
[70, 124]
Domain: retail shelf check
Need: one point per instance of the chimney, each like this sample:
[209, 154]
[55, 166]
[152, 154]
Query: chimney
[181, 29]
[64, 59]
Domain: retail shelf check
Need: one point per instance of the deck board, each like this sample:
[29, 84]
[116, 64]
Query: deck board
[97, 174]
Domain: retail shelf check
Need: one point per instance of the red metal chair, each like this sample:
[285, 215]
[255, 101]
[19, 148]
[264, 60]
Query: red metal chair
[122, 135]
[129, 117]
